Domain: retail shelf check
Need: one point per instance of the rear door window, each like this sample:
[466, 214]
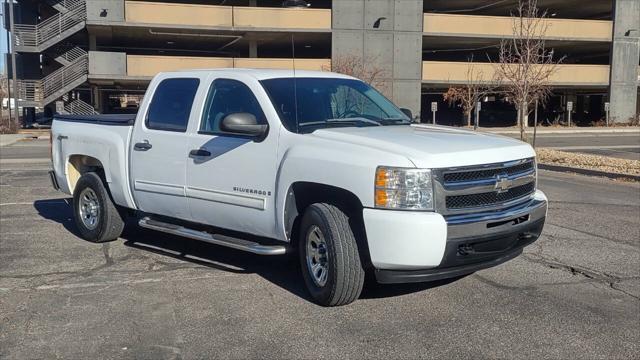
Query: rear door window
[171, 104]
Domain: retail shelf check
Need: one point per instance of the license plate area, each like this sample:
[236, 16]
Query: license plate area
[514, 221]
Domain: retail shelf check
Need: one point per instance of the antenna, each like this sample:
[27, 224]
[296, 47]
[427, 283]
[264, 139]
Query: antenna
[295, 4]
[295, 83]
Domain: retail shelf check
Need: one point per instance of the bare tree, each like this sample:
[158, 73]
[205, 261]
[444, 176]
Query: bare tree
[468, 94]
[347, 100]
[4, 84]
[4, 94]
[356, 66]
[525, 64]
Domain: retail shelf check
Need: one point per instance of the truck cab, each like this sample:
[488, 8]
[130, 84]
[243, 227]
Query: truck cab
[313, 163]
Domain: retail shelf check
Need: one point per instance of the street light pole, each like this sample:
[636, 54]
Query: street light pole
[476, 121]
[13, 63]
[535, 125]
[6, 66]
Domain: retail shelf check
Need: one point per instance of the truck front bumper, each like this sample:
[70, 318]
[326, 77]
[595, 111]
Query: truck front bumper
[416, 247]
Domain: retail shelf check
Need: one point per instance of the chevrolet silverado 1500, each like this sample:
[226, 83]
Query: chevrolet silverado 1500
[317, 163]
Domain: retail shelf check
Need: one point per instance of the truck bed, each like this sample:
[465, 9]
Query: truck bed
[110, 119]
[80, 141]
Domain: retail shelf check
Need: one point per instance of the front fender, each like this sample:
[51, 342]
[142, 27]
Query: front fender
[344, 166]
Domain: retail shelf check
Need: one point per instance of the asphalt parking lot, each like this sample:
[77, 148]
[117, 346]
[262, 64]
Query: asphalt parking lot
[621, 146]
[573, 294]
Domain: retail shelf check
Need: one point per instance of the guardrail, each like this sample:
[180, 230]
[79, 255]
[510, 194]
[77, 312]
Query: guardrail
[41, 91]
[79, 107]
[29, 90]
[35, 35]
[72, 54]
[61, 78]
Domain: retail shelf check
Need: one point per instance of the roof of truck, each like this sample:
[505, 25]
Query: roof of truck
[263, 74]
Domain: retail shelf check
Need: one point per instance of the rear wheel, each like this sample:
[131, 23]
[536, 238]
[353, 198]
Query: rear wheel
[329, 256]
[96, 216]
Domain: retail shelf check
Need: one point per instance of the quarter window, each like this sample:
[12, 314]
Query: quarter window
[171, 104]
[226, 97]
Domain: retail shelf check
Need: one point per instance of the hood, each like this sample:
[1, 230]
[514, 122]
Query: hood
[433, 146]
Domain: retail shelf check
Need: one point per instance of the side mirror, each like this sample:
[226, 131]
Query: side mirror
[243, 124]
[407, 112]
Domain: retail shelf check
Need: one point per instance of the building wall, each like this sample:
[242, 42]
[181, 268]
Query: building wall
[566, 75]
[149, 65]
[399, 47]
[395, 47]
[502, 27]
[105, 10]
[625, 56]
[199, 15]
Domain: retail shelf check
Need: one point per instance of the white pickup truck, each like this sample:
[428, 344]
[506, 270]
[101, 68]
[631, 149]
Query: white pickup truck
[269, 162]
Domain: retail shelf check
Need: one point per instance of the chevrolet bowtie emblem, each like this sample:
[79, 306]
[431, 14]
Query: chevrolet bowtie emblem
[503, 183]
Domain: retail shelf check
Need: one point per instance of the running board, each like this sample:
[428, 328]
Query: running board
[222, 240]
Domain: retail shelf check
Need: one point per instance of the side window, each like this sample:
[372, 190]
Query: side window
[226, 97]
[171, 104]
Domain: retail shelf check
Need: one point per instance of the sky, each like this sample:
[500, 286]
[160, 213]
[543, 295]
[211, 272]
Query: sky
[3, 45]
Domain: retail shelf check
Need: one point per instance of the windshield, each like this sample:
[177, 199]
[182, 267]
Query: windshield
[330, 102]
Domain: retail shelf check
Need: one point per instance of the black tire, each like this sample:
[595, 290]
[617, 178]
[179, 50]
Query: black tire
[345, 274]
[109, 222]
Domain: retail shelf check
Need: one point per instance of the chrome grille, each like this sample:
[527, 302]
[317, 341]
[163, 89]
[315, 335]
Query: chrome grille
[484, 187]
[489, 198]
[489, 173]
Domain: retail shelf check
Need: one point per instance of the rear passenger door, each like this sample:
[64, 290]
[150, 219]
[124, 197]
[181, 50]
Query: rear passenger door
[159, 147]
[231, 185]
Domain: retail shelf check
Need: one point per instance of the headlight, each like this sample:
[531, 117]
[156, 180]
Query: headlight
[403, 188]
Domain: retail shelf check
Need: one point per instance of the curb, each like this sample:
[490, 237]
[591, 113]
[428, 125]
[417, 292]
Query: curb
[569, 169]
[591, 131]
[10, 139]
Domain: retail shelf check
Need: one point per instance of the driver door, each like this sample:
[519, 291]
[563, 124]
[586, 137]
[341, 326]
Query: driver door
[231, 183]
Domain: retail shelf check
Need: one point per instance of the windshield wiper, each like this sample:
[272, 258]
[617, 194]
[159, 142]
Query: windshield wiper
[396, 121]
[343, 121]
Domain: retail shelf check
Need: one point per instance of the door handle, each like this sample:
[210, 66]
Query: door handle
[199, 152]
[142, 146]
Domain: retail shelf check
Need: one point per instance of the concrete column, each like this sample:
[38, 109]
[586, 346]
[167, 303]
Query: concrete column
[387, 34]
[96, 98]
[253, 49]
[573, 97]
[625, 55]
[92, 42]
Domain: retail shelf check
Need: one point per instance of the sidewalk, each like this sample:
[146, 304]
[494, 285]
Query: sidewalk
[602, 162]
[8, 139]
[565, 130]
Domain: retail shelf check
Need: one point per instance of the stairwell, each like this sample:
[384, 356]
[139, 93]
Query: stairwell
[39, 37]
[63, 6]
[38, 93]
[79, 107]
[67, 53]
[50, 35]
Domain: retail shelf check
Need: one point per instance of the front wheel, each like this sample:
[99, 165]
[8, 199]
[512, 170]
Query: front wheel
[97, 217]
[329, 256]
